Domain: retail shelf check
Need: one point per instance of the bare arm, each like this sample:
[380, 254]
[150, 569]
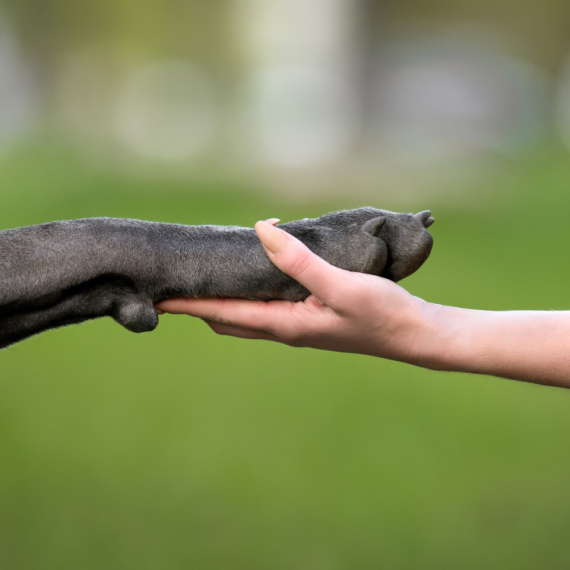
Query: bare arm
[524, 345]
[353, 312]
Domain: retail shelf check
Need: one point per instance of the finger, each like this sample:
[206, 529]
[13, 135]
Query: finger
[174, 306]
[239, 332]
[245, 313]
[273, 221]
[298, 261]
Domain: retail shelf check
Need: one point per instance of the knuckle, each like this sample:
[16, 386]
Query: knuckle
[219, 314]
[287, 333]
[218, 328]
[293, 332]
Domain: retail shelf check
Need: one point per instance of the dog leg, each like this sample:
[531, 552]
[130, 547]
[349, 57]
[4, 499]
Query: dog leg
[67, 272]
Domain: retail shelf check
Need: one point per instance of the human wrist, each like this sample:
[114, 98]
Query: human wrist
[441, 337]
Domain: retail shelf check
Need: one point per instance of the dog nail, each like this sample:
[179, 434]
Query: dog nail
[271, 237]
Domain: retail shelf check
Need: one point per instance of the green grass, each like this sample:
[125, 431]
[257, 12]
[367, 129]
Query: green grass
[180, 449]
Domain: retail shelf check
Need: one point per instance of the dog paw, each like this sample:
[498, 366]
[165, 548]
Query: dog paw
[368, 240]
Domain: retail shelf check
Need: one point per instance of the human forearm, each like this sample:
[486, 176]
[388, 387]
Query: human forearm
[533, 346]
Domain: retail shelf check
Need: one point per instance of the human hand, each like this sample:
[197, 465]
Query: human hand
[346, 312]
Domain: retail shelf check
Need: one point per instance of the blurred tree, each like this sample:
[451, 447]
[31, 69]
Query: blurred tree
[51, 29]
[543, 28]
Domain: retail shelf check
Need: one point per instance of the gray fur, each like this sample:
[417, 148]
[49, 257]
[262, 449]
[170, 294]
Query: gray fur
[60, 273]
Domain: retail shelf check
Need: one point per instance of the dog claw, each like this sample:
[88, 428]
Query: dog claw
[425, 218]
[373, 226]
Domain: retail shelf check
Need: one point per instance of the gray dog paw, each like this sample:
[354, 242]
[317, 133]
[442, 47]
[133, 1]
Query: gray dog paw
[378, 242]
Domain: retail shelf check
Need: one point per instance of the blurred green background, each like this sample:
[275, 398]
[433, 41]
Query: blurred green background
[180, 449]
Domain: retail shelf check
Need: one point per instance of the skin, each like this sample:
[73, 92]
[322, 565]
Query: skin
[367, 314]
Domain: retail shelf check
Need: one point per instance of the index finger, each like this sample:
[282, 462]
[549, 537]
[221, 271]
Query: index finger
[238, 312]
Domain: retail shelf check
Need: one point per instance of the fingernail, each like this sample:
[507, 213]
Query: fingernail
[271, 237]
[273, 221]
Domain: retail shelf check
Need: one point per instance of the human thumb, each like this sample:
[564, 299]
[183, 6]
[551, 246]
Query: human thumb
[297, 260]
